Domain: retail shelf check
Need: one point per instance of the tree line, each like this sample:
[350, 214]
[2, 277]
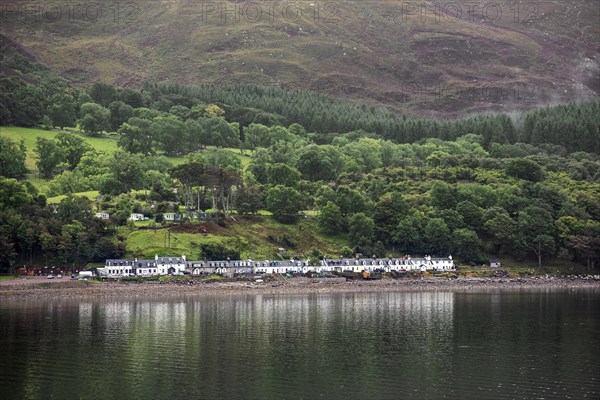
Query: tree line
[151, 118]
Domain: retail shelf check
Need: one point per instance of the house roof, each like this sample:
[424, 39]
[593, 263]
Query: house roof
[170, 260]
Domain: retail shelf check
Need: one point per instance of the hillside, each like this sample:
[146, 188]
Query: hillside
[257, 237]
[434, 60]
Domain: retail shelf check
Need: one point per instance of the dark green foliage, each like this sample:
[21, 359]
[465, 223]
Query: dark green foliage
[62, 110]
[442, 196]
[136, 136]
[119, 113]
[66, 234]
[502, 229]
[220, 133]
[94, 118]
[409, 232]
[437, 237]
[524, 168]
[131, 97]
[466, 245]
[330, 218]
[361, 230]
[472, 215]
[249, 200]
[282, 174]
[13, 194]
[102, 93]
[73, 146]
[12, 158]
[324, 114]
[128, 170]
[170, 134]
[350, 201]
[574, 126]
[284, 202]
[49, 155]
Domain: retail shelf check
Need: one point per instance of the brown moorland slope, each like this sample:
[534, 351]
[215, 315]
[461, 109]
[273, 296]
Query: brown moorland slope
[429, 57]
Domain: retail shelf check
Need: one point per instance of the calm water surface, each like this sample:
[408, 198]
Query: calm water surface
[432, 345]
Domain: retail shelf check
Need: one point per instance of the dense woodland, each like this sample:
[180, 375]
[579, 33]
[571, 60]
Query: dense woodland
[525, 185]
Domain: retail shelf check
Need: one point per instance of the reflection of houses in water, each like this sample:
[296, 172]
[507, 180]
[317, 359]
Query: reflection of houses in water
[123, 317]
[415, 316]
[388, 327]
[180, 265]
[420, 305]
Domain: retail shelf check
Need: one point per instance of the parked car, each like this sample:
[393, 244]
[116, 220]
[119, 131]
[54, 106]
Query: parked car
[59, 276]
[50, 276]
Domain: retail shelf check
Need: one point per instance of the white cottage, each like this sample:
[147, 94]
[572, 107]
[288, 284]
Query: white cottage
[171, 216]
[102, 215]
[136, 217]
[170, 265]
[406, 263]
[158, 266]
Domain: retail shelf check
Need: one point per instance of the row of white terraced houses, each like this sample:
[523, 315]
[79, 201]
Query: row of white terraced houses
[180, 266]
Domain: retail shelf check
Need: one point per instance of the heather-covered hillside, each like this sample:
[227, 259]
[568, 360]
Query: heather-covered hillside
[434, 58]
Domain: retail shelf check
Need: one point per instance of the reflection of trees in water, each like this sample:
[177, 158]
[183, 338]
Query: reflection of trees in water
[341, 345]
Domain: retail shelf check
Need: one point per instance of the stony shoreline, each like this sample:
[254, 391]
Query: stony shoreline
[87, 290]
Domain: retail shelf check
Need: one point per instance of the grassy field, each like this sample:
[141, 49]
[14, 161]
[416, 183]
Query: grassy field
[108, 144]
[90, 195]
[148, 242]
[29, 135]
[258, 238]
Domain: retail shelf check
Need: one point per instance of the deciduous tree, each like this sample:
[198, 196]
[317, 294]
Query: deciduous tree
[284, 202]
[49, 156]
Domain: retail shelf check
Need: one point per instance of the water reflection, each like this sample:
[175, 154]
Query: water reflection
[350, 346]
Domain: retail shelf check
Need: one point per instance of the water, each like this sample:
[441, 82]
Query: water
[431, 345]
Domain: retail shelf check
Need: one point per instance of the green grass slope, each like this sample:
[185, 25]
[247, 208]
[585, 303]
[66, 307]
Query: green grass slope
[257, 237]
[437, 59]
[29, 135]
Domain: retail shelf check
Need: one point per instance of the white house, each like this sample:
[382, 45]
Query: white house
[170, 265]
[102, 215]
[136, 217]
[158, 266]
[406, 263]
[282, 267]
[171, 216]
[117, 268]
